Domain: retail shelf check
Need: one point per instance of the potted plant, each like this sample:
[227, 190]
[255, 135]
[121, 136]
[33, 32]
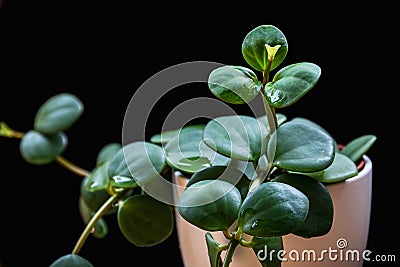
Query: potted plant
[248, 185]
[279, 190]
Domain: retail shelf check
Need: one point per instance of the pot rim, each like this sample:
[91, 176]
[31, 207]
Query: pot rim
[366, 168]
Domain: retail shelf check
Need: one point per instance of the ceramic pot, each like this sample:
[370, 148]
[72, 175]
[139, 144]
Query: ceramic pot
[343, 246]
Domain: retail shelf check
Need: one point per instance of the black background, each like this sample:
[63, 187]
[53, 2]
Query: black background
[102, 51]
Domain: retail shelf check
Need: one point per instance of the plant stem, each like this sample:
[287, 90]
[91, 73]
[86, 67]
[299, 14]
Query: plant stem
[229, 253]
[100, 212]
[6, 131]
[72, 167]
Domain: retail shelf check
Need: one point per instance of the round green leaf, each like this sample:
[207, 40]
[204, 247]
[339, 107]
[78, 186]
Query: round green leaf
[356, 148]
[166, 136]
[234, 84]
[253, 46]
[341, 169]
[40, 149]
[143, 161]
[303, 147]
[237, 137]
[145, 221]
[320, 213]
[211, 205]
[106, 152]
[273, 209]
[71, 260]
[58, 113]
[188, 152]
[291, 83]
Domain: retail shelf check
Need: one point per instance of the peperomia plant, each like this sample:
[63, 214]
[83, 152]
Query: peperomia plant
[269, 174]
[255, 179]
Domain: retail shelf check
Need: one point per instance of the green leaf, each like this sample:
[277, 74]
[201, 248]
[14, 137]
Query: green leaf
[341, 169]
[143, 161]
[98, 178]
[291, 83]
[234, 84]
[273, 209]
[223, 173]
[100, 228]
[237, 137]
[211, 205]
[267, 250]
[356, 148]
[106, 152]
[166, 136]
[94, 199]
[145, 221]
[214, 252]
[253, 46]
[314, 124]
[320, 213]
[188, 152]
[58, 113]
[304, 148]
[71, 260]
[37, 148]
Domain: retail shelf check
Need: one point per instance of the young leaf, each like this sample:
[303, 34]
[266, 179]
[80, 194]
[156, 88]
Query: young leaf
[273, 209]
[98, 178]
[253, 46]
[37, 148]
[58, 113]
[145, 221]
[358, 147]
[304, 148]
[320, 213]
[71, 260]
[291, 83]
[234, 84]
[211, 205]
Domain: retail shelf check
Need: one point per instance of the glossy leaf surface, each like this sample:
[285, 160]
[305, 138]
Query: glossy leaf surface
[37, 148]
[291, 83]
[301, 147]
[58, 113]
[211, 205]
[253, 46]
[273, 209]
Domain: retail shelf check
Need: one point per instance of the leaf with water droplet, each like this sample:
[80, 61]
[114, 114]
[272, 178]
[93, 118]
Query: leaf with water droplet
[291, 83]
[273, 209]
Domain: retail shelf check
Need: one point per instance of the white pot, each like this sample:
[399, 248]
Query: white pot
[345, 244]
